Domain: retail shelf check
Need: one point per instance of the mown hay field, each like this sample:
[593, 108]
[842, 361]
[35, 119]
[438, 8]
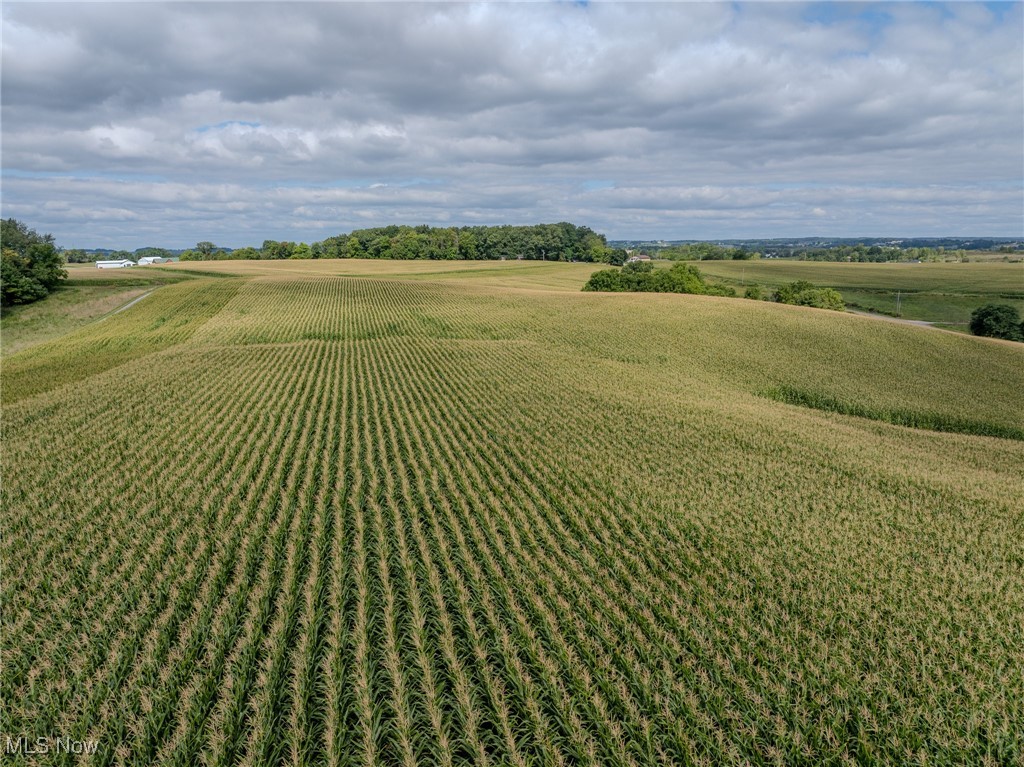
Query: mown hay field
[992, 279]
[379, 513]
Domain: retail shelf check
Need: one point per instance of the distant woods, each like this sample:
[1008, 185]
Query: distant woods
[705, 251]
[863, 252]
[539, 242]
[31, 266]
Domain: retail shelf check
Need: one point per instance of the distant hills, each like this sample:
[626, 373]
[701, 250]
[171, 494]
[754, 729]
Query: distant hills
[801, 243]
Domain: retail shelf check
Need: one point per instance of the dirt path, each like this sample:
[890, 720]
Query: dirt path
[128, 305]
[919, 323]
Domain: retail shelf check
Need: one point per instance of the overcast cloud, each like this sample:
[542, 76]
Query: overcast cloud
[132, 124]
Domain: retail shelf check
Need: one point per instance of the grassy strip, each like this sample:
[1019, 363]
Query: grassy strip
[913, 419]
[168, 317]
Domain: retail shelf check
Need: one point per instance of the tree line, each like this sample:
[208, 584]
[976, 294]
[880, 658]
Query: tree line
[539, 242]
[705, 251]
[857, 252]
[876, 253]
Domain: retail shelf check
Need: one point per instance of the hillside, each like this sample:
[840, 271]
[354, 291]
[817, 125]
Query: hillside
[382, 512]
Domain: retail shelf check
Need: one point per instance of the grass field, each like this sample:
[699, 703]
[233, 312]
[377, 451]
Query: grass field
[390, 513]
[87, 295]
[945, 294]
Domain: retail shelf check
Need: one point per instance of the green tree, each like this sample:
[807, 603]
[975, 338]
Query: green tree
[277, 250]
[409, 244]
[205, 250]
[30, 264]
[997, 321]
[822, 298]
[803, 293]
[638, 267]
[616, 256]
[642, 277]
[353, 248]
[466, 244]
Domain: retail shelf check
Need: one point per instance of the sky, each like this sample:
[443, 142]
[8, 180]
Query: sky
[134, 124]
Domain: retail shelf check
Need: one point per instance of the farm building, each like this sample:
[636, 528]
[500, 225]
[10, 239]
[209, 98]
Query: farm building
[634, 259]
[119, 264]
[147, 260]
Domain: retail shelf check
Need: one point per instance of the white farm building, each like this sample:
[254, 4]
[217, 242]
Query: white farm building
[119, 264]
[147, 260]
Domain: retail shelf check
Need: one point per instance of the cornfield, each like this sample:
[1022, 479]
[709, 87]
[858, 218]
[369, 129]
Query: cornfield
[289, 518]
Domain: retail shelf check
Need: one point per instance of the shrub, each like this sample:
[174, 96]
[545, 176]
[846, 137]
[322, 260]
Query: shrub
[803, 293]
[641, 277]
[997, 321]
[822, 298]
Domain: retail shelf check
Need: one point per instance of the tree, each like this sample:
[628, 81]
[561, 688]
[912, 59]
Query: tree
[30, 264]
[617, 256]
[822, 298]
[205, 250]
[353, 248]
[466, 244]
[638, 267]
[803, 293]
[277, 250]
[641, 277]
[997, 321]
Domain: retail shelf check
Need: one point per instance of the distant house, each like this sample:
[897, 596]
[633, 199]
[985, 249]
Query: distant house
[640, 257]
[119, 264]
[147, 260]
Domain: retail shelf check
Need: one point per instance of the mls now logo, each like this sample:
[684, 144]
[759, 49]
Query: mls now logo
[26, 747]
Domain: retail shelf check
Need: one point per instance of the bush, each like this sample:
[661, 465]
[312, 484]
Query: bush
[803, 293]
[641, 277]
[30, 264]
[822, 298]
[997, 321]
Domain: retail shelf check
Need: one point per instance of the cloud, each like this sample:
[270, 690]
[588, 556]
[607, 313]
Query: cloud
[661, 120]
